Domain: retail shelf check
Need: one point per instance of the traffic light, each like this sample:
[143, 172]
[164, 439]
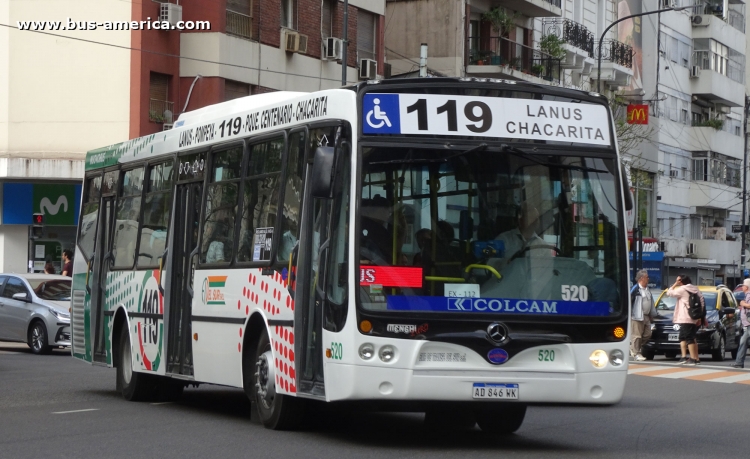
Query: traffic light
[37, 226]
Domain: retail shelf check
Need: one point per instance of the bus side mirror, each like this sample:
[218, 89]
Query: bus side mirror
[626, 190]
[322, 172]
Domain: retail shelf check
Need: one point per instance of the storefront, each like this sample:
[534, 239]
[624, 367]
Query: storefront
[701, 271]
[60, 205]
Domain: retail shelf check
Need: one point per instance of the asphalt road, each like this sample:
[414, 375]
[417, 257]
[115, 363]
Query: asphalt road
[54, 406]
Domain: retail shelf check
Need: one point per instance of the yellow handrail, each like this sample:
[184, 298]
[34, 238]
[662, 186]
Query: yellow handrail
[488, 268]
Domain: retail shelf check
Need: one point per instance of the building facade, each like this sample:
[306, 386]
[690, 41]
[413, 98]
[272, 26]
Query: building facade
[72, 87]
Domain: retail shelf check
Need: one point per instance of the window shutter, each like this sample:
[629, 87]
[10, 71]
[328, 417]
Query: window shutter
[327, 28]
[235, 90]
[365, 34]
[159, 86]
[240, 6]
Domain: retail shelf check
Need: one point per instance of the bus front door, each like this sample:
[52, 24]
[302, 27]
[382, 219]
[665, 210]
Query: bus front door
[185, 246]
[98, 278]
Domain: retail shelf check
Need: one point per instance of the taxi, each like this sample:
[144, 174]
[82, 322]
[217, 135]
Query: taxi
[722, 333]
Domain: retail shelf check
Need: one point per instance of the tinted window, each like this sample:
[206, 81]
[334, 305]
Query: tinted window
[128, 215]
[260, 201]
[55, 290]
[14, 285]
[293, 188]
[217, 245]
[89, 215]
[155, 222]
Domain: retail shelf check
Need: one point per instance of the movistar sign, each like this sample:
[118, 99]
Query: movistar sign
[497, 305]
[60, 203]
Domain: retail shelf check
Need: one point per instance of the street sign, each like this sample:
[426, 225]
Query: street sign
[738, 228]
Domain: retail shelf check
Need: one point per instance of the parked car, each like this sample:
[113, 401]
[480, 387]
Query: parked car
[721, 335]
[34, 308]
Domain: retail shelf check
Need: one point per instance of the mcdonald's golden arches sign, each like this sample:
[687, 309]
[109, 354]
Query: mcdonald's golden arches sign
[637, 114]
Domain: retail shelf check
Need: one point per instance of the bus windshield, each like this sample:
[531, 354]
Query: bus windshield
[494, 230]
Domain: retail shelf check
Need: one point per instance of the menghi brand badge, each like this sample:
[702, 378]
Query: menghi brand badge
[213, 293]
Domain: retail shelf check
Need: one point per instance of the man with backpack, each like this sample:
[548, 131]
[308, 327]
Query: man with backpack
[689, 313]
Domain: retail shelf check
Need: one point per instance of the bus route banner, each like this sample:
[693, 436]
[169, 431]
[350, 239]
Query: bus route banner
[437, 114]
[498, 305]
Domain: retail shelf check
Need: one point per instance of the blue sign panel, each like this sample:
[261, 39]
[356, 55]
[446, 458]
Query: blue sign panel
[497, 305]
[380, 113]
[652, 262]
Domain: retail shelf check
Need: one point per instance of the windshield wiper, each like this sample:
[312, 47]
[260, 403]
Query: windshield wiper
[518, 152]
[479, 147]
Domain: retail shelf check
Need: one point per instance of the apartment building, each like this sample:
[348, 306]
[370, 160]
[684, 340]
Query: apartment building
[70, 91]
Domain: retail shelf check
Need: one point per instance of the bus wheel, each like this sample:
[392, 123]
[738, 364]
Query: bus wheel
[276, 411]
[505, 419]
[133, 386]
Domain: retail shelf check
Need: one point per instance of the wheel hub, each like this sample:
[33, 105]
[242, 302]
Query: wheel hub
[127, 363]
[265, 379]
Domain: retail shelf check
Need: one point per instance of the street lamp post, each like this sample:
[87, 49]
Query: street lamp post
[601, 39]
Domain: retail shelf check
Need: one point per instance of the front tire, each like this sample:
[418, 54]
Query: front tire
[504, 420]
[718, 354]
[133, 386]
[276, 411]
[37, 338]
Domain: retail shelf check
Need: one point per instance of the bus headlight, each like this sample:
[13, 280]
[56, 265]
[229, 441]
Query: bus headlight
[366, 351]
[387, 353]
[616, 357]
[599, 358]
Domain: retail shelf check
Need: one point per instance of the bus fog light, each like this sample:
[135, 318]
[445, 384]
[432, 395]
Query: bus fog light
[366, 351]
[616, 357]
[387, 353]
[599, 358]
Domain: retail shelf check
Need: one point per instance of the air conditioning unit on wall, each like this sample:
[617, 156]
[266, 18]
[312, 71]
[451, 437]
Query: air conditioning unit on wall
[695, 71]
[701, 20]
[332, 48]
[368, 69]
[691, 249]
[170, 13]
[295, 42]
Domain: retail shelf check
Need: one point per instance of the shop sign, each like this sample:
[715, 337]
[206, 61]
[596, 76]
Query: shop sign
[60, 203]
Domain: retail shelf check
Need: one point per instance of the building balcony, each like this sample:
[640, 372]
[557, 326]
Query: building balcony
[532, 8]
[503, 58]
[708, 138]
[716, 251]
[240, 25]
[579, 43]
[161, 111]
[712, 195]
[710, 10]
[617, 63]
[717, 80]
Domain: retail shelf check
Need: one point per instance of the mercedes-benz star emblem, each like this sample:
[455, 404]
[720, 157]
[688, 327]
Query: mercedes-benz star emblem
[497, 332]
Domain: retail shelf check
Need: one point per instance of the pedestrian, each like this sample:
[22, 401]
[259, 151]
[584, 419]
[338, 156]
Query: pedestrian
[743, 311]
[688, 328]
[642, 312]
[49, 268]
[67, 257]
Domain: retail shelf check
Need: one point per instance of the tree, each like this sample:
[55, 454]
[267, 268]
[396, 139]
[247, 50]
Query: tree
[629, 136]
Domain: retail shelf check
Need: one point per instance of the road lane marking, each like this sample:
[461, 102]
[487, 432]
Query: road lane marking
[712, 375]
[676, 371]
[742, 378]
[667, 371]
[75, 411]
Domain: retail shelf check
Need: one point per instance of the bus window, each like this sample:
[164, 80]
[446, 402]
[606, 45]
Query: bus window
[293, 189]
[156, 205]
[89, 215]
[260, 201]
[128, 214]
[221, 206]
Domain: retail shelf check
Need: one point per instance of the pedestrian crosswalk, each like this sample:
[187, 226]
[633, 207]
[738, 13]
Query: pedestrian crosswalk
[700, 373]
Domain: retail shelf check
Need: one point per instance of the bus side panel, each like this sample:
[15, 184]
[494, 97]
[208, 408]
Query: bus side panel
[226, 299]
[80, 308]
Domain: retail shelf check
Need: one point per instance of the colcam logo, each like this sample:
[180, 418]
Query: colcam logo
[48, 208]
[637, 114]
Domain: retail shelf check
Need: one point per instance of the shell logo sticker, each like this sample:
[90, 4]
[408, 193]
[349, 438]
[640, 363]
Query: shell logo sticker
[151, 329]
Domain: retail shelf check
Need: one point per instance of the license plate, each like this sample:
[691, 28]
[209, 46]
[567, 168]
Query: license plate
[673, 337]
[495, 391]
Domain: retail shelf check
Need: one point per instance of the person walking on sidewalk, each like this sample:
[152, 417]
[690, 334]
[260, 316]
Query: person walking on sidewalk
[681, 290]
[743, 311]
[642, 312]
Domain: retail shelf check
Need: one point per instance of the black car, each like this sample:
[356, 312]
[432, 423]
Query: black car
[722, 333]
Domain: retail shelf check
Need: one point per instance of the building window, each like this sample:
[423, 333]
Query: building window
[643, 185]
[289, 14]
[240, 18]
[716, 168]
[160, 109]
[327, 17]
[365, 35]
[235, 90]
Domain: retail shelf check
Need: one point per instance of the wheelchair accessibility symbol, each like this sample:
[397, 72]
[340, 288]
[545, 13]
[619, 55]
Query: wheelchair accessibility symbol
[378, 114]
[381, 114]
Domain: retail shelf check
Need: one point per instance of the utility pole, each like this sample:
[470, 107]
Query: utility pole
[744, 191]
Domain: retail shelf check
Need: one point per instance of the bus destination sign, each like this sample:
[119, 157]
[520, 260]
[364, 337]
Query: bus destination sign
[437, 114]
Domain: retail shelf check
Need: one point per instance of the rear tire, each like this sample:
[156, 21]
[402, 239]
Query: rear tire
[276, 411]
[718, 354]
[504, 419]
[37, 338]
[133, 386]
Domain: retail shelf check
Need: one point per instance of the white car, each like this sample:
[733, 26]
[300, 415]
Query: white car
[34, 308]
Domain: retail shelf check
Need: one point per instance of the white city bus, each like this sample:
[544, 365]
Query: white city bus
[455, 246]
